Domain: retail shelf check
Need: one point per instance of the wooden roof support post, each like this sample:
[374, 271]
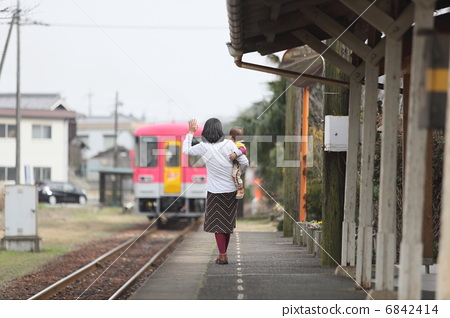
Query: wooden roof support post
[411, 246]
[365, 229]
[351, 173]
[443, 279]
[386, 237]
[334, 170]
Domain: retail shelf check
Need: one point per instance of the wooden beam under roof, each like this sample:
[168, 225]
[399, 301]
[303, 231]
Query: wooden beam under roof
[318, 46]
[290, 21]
[270, 3]
[275, 12]
[376, 17]
[334, 29]
[380, 19]
[251, 34]
[255, 16]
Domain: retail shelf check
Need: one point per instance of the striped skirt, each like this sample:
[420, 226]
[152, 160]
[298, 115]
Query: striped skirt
[221, 210]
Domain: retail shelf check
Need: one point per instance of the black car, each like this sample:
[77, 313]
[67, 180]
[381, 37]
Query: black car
[58, 192]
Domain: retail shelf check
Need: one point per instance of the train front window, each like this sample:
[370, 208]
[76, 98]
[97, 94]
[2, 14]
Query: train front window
[146, 151]
[196, 161]
[172, 156]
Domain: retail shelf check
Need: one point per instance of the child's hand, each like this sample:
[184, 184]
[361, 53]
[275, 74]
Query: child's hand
[233, 156]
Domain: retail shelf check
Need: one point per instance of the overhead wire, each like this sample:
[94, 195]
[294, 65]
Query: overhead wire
[118, 26]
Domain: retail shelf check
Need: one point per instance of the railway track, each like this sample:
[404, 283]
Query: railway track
[111, 275]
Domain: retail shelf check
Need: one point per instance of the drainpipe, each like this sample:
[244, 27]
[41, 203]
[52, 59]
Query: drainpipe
[291, 74]
[237, 54]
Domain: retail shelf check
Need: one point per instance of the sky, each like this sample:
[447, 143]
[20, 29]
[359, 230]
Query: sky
[166, 59]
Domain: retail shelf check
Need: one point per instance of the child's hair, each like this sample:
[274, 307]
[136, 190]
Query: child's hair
[236, 132]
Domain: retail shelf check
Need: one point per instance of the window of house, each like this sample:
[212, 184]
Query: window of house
[108, 141]
[42, 132]
[84, 139]
[7, 131]
[7, 173]
[11, 173]
[42, 173]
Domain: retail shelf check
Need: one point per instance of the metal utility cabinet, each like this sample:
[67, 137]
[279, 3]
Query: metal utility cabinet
[21, 231]
[336, 133]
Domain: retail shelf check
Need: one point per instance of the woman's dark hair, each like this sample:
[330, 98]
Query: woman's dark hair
[212, 131]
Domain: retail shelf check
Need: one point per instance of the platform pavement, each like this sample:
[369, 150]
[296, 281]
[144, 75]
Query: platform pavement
[262, 265]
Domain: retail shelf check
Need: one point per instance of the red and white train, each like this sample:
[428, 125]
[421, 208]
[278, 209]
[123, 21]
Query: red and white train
[167, 184]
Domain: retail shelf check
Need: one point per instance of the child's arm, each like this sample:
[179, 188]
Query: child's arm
[235, 154]
[241, 150]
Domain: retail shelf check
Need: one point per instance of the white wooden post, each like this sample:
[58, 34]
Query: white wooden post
[364, 251]
[443, 278]
[411, 247]
[349, 223]
[386, 237]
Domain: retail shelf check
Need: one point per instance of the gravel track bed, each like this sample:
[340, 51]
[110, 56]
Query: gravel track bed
[122, 269]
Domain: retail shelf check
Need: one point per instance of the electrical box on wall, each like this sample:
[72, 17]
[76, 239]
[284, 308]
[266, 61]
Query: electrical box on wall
[336, 133]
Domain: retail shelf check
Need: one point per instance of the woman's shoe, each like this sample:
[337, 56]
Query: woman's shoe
[222, 260]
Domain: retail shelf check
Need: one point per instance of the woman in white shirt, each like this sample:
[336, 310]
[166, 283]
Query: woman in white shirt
[221, 202]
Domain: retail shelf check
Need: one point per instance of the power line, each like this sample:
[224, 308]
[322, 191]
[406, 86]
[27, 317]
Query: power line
[149, 27]
[118, 26]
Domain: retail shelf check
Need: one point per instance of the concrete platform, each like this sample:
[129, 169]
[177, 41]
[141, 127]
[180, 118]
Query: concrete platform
[180, 276]
[262, 265]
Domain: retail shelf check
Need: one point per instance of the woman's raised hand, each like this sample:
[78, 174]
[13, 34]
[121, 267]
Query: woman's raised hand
[193, 126]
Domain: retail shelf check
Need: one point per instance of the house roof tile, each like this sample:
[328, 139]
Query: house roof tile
[33, 101]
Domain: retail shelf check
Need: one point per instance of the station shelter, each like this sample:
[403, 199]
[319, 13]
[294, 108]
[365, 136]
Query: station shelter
[407, 42]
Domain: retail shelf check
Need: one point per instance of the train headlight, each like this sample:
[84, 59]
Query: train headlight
[198, 179]
[145, 178]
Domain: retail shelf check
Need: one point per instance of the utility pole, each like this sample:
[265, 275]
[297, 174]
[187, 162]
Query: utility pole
[7, 42]
[116, 179]
[18, 114]
[117, 104]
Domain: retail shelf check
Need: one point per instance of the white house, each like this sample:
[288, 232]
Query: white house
[47, 126]
[98, 134]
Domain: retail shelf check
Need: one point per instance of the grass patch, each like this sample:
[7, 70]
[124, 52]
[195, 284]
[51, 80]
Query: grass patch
[16, 264]
[64, 228]
[73, 227]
